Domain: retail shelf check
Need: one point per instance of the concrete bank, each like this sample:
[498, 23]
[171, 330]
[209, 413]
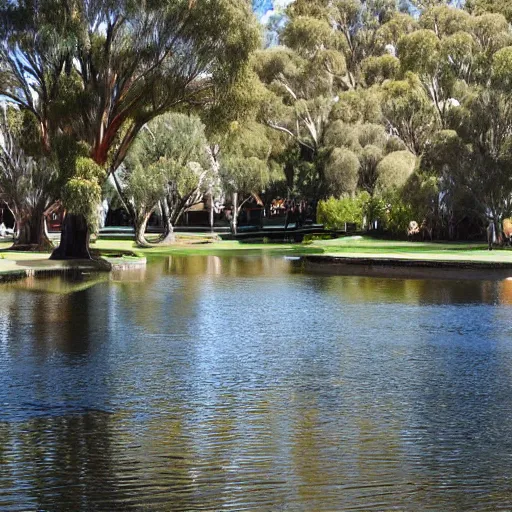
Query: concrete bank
[413, 262]
[399, 267]
[38, 265]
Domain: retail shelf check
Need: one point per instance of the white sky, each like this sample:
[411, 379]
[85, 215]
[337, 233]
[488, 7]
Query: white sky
[279, 5]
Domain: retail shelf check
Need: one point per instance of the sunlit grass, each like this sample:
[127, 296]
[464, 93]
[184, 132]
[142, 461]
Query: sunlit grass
[347, 247]
[428, 251]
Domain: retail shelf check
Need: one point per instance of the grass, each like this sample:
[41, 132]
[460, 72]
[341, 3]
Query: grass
[222, 247]
[431, 251]
[343, 247]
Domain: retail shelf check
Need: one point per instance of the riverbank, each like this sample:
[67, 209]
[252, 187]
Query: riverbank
[363, 251]
[16, 265]
[347, 248]
[368, 251]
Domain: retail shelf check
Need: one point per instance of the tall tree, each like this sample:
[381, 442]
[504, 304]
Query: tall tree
[167, 166]
[99, 71]
[244, 165]
[27, 181]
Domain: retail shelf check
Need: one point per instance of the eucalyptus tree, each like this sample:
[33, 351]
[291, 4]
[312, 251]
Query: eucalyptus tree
[334, 52]
[97, 71]
[473, 161]
[166, 167]
[409, 113]
[244, 165]
[350, 27]
[28, 180]
[354, 153]
[451, 47]
[394, 170]
[503, 7]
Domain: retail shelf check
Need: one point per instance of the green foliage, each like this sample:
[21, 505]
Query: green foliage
[502, 68]
[175, 137]
[342, 171]
[81, 197]
[334, 213]
[410, 112]
[360, 106]
[168, 159]
[419, 52]
[244, 175]
[240, 103]
[445, 20]
[394, 170]
[421, 193]
[378, 69]
[491, 32]
[245, 160]
[503, 7]
[399, 24]
[145, 185]
[81, 194]
[307, 35]
[28, 178]
[398, 214]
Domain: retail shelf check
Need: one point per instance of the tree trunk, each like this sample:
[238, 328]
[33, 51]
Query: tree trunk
[168, 236]
[140, 223]
[31, 232]
[211, 213]
[234, 215]
[74, 239]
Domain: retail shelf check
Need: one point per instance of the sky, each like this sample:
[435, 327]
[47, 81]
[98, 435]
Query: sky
[266, 8]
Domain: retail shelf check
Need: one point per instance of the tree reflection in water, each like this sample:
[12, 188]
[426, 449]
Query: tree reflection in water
[221, 382]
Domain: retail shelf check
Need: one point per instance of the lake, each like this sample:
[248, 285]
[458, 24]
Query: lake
[252, 383]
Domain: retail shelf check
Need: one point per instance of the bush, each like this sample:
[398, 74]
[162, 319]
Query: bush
[309, 239]
[334, 213]
[398, 215]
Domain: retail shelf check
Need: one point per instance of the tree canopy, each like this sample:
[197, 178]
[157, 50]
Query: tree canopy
[392, 101]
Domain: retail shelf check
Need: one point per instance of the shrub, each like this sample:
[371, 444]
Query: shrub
[398, 215]
[334, 213]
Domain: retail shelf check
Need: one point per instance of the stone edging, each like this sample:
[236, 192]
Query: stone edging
[404, 262]
[103, 265]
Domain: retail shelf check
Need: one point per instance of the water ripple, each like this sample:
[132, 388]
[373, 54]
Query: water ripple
[243, 384]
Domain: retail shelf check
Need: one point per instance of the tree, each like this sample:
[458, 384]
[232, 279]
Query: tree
[244, 167]
[356, 150]
[99, 71]
[342, 172]
[409, 113]
[336, 213]
[474, 160]
[167, 166]
[394, 170]
[27, 182]
[334, 50]
[490, 6]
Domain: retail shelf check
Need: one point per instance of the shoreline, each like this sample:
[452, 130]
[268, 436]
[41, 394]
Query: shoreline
[352, 255]
[403, 268]
[403, 262]
[18, 269]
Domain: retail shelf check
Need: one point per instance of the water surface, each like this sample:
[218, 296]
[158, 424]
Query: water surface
[246, 383]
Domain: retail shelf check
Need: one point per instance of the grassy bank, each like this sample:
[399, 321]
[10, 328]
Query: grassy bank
[348, 247]
[221, 247]
[365, 247]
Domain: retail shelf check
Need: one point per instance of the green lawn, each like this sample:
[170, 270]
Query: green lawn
[223, 247]
[358, 247]
[365, 247]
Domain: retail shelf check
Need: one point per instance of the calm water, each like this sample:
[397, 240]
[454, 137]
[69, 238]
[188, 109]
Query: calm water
[209, 383]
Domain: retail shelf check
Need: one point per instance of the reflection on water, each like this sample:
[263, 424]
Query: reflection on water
[244, 383]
